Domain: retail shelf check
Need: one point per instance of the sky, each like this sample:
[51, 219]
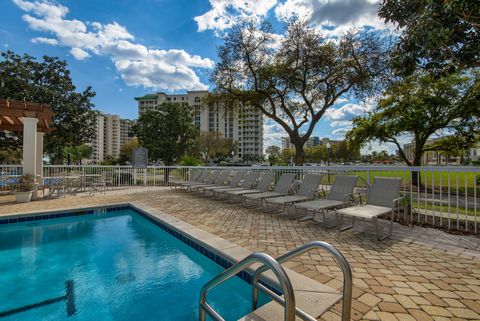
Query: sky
[127, 48]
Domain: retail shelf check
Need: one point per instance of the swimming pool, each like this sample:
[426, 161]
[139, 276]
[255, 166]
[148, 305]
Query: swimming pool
[107, 266]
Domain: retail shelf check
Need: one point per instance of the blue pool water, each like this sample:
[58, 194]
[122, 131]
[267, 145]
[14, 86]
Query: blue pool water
[114, 266]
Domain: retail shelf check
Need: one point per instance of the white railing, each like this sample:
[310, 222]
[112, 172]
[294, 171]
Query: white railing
[446, 197]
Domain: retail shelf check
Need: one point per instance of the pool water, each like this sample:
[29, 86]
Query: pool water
[113, 266]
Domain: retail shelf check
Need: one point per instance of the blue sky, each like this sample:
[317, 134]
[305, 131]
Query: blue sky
[126, 48]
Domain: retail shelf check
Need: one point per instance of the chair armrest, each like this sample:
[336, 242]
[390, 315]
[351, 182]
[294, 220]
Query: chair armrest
[396, 201]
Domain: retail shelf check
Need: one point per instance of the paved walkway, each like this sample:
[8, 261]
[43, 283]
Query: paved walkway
[420, 274]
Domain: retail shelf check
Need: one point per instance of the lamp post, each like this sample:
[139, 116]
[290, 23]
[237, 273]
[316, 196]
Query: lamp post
[328, 153]
[328, 161]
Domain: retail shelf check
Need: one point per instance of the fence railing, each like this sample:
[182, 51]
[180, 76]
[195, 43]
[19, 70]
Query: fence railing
[445, 196]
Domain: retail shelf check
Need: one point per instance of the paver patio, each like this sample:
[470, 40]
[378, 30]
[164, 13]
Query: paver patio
[419, 274]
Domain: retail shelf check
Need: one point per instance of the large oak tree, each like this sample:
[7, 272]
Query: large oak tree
[294, 78]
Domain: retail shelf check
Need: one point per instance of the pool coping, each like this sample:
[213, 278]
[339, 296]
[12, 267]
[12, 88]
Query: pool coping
[312, 296]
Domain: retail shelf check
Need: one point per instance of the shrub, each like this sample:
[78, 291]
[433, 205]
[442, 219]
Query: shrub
[190, 161]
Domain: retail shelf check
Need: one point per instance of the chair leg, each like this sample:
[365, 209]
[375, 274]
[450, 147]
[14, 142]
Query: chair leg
[390, 227]
[307, 217]
[349, 226]
[325, 223]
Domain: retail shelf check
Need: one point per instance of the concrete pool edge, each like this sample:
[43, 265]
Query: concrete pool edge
[312, 297]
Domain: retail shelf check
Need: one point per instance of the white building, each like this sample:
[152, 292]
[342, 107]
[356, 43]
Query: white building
[311, 142]
[438, 158]
[244, 126]
[97, 143]
[112, 132]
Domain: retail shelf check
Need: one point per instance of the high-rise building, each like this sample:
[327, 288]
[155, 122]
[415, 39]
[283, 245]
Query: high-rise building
[244, 126]
[97, 143]
[311, 142]
[112, 132]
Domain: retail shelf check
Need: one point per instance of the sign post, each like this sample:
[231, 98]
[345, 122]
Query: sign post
[140, 157]
[140, 160]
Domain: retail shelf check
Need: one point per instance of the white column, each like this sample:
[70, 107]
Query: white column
[39, 156]
[30, 145]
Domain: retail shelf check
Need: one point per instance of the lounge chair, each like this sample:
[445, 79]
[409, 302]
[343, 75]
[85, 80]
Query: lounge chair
[194, 177]
[340, 195]
[281, 189]
[220, 180]
[262, 186]
[382, 199]
[248, 183]
[208, 178]
[237, 177]
[308, 190]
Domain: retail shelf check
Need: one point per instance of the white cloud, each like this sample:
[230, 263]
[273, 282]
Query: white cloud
[224, 13]
[346, 112]
[272, 133]
[79, 54]
[333, 16]
[137, 65]
[47, 41]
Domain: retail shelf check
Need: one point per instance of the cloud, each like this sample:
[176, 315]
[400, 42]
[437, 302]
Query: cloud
[272, 133]
[346, 112]
[137, 65]
[330, 12]
[332, 16]
[224, 13]
[47, 41]
[79, 54]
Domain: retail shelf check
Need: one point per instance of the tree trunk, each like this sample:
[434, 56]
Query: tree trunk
[416, 175]
[299, 155]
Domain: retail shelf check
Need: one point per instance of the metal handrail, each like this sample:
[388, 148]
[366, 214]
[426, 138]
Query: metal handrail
[267, 260]
[341, 260]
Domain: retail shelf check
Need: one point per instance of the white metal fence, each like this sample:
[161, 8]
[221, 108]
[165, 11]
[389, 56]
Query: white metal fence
[444, 197]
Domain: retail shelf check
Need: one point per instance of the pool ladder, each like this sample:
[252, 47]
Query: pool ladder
[288, 300]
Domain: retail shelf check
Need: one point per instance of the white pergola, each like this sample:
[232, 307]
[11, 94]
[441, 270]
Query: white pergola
[34, 121]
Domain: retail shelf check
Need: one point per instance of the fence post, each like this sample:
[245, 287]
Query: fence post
[145, 177]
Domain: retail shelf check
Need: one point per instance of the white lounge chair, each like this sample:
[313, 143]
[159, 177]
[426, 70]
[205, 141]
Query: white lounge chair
[307, 190]
[281, 189]
[382, 199]
[340, 195]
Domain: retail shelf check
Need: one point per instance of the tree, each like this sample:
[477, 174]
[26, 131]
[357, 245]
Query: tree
[437, 35]
[126, 150]
[49, 82]
[293, 81]
[166, 133]
[214, 145]
[273, 153]
[420, 106]
[77, 153]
